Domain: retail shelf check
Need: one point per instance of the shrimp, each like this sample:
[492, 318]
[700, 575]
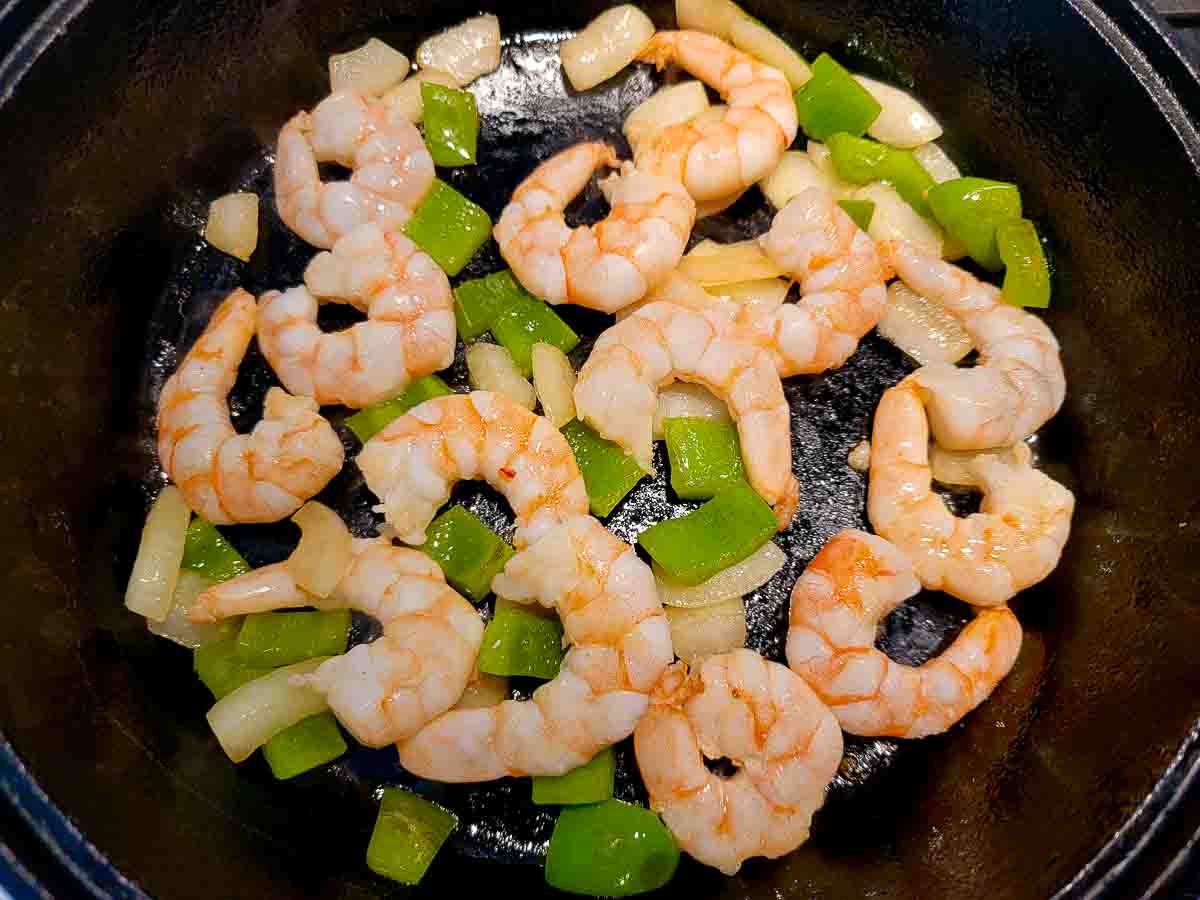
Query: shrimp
[409, 331]
[762, 716]
[388, 689]
[620, 644]
[1018, 382]
[724, 151]
[605, 266]
[392, 168]
[662, 342]
[412, 464]
[985, 559]
[228, 477]
[854, 582]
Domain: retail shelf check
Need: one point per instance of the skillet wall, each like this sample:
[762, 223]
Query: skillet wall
[142, 111]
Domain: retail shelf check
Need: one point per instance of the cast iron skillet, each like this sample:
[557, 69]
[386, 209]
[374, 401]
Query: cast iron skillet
[123, 118]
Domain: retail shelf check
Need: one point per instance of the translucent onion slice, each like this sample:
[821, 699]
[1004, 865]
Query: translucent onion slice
[751, 573]
[859, 458]
[608, 43]
[957, 467]
[370, 69]
[682, 399]
[151, 589]
[673, 104]
[921, 328]
[176, 627]
[405, 98]
[323, 555]
[765, 292]
[484, 691]
[796, 172]
[233, 224]
[554, 383]
[895, 220]
[823, 160]
[714, 16]
[933, 159]
[903, 121]
[253, 714]
[465, 51]
[490, 367]
[763, 44]
[711, 263]
[696, 633]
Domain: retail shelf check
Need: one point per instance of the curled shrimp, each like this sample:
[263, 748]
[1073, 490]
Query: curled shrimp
[765, 719]
[605, 266]
[392, 170]
[853, 583]
[228, 477]
[721, 153]
[620, 644]
[413, 463]
[617, 390]
[409, 331]
[1018, 382]
[388, 689]
[985, 559]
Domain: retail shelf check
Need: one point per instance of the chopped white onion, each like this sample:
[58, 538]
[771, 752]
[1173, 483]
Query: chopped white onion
[796, 172]
[764, 292]
[859, 458]
[741, 578]
[765, 45]
[921, 328]
[711, 263]
[608, 43]
[465, 51]
[233, 224]
[714, 16]
[151, 588]
[405, 98]
[554, 383]
[681, 399]
[491, 368]
[257, 711]
[957, 467]
[370, 69]
[176, 626]
[484, 692]
[672, 105]
[696, 633]
[323, 556]
[895, 220]
[933, 159]
[903, 121]
[822, 158]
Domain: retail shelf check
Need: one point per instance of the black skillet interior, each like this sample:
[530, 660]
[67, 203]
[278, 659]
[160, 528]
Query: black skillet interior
[140, 113]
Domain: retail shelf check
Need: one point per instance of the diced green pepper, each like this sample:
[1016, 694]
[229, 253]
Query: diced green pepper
[610, 849]
[222, 669]
[861, 211]
[517, 642]
[408, 834]
[832, 101]
[448, 227]
[206, 551]
[860, 160]
[1026, 275]
[723, 531]
[528, 321]
[704, 454]
[469, 552]
[479, 301]
[309, 743]
[451, 124]
[281, 638]
[609, 473]
[368, 422]
[970, 209]
[590, 783]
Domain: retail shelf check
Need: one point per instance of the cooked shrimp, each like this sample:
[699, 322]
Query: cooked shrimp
[765, 719]
[855, 581]
[392, 168]
[985, 559]
[1018, 382]
[617, 390]
[620, 645]
[388, 689]
[727, 149]
[413, 463]
[228, 477]
[605, 266]
[409, 331]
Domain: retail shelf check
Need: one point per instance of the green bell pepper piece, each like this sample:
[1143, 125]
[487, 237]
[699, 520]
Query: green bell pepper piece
[206, 551]
[222, 669]
[527, 321]
[309, 743]
[704, 454]
[369, 421]
[479, 301]
[408, 834]
[448, 227]
[590, 783]
[517, 642]
[861, 211]
[1026, 274]
[860, 160]
[275, 639]
[723, 531]
[469, 552]
[832, 101]
[609, 473]
[610, 849]
[451, 124]
[970, 209]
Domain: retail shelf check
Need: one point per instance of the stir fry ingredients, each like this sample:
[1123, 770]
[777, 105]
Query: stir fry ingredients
[151, 589]
[859, 160]
[519, 642]
[590, 783]
[1026, 275]
[448, 227]
[206, 551]
[492, 368]
[468, 552]
[233, 224]
[609, 43]
[707, 630]
[479, 301]
[527, 321]
[704, 455]
[554, 383]
[222, 669]
[372, 68]
[833, 102]
[179, 628]
[310, 743]
[408, 834]
[860, 211]
[610, 849]
[451, 124]
[608, 471]
[369, 421]
[970, 209]
[270, 640]
[732, 581]
[466, 51]
[249, 716]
